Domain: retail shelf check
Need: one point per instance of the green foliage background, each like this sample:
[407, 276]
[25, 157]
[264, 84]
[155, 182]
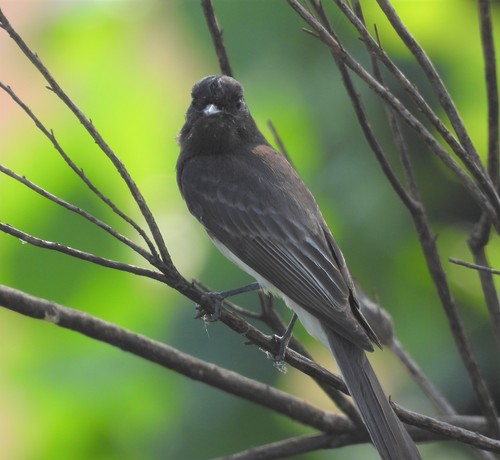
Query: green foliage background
[130, 65]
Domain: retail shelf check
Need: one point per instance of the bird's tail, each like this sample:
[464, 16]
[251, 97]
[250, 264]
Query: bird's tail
[388, 434]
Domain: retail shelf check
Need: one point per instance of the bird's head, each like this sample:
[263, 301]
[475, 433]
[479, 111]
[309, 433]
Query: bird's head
[218, 118]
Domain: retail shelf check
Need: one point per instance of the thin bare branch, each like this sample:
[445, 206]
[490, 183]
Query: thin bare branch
[393, 120]
[381, 322]
[465, 151]
[435, 80]
[480, 234]
[227, 303]
[87, 256]
[474, 266]
[425, 384]
[482, 200]
[189, 290]
[70, 207]
[376, 50]
[491, 79]
[448, 430]
[430, 389]
[363, 119]
[469, 156]
[256, 337]
[477, 241]
[90, 128]
[78, 171]
[435, 267]
[216, 34]
[278, 140]
[297, 445]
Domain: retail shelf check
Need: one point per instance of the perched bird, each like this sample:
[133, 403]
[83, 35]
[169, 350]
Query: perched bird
[260, 214]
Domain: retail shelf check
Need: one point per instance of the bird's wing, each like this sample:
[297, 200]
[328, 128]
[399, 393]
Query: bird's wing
[263, 213]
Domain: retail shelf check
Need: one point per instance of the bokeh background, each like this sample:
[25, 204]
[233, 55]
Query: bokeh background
[130, 65]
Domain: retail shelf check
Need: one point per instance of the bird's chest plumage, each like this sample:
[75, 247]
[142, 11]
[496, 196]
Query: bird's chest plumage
[234, 182]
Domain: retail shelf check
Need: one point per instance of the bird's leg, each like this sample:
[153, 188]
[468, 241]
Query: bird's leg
[219, 297]
[284, 340]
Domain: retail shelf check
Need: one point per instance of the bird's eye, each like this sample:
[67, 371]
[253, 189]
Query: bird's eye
[239, 103]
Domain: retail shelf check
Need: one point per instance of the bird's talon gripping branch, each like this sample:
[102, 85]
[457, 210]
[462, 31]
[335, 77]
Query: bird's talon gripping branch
[282, 346]
[217, 298]
[284, 340]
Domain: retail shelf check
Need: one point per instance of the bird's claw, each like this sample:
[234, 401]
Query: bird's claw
[282, 341]
[201, 312]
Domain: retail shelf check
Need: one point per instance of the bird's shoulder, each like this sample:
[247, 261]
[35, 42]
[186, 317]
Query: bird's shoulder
[256, 176]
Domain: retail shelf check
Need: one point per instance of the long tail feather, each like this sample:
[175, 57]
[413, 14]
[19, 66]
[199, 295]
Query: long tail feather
[388, 434]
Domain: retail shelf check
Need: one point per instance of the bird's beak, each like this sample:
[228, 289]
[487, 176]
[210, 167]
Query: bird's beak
[211, 109]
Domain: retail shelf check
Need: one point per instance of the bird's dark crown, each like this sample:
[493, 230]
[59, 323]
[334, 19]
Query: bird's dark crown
[220, 90]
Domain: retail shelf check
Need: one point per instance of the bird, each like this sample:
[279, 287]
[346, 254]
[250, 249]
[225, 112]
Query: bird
[260, 214]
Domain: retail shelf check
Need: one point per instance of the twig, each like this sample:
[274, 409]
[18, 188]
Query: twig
[216, 33]
[471, 157]
[78, 171]
[480, 234]
[88, 125]
[474, 266]
[297, 445]
[376, 50]
[482, 200]
[381, 323]
[448, 430]
[279, 141]
[87, 256]
[256, 337]
[435, 267]
[477, 241]
[370, 136]
[399, 140]
[425, 384]
[190, 291]
[488, 46]
[70, 207]
[412, 203]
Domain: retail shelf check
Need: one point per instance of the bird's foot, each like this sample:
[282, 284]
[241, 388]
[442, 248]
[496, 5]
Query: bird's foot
[217, 298]
[283, 341]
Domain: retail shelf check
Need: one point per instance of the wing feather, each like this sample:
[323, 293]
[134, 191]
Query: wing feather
[264, 214]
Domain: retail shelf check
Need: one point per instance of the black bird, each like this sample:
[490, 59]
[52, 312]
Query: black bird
[260, 215]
